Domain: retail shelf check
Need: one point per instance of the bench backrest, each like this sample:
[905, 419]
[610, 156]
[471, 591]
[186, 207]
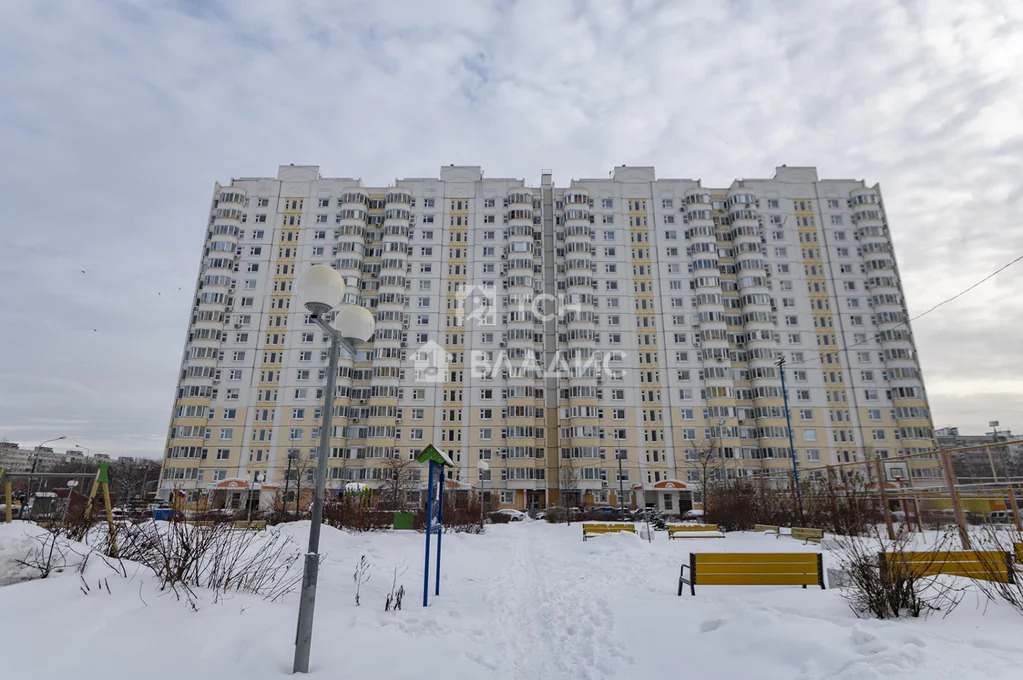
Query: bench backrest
[675, 528]
[589, 528]
[806, 534]
[987, 565]
[1018, 549]
[765, 527]
[722, 569]
[254, 524]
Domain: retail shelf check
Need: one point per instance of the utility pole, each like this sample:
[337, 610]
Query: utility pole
[621, 483]
[792, 447]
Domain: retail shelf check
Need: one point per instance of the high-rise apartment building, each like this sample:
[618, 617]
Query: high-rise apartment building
[552, 332]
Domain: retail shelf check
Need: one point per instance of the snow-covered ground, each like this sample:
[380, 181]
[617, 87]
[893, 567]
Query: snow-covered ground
[525, 601]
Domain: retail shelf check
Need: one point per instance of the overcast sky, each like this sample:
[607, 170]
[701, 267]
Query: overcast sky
[116, 118]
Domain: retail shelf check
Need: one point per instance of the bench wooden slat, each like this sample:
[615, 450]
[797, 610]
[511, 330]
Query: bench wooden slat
[777, 558]
[690, 534]
[694, 531]
[1018, 549]
[757, 568]
[692, 527]
[950, 555]
[767, 527]
[799, 579]
[258, 525]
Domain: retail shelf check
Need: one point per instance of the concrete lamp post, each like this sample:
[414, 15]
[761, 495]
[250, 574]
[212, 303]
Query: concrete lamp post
[320, 290]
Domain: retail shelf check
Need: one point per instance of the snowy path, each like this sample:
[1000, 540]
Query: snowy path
[522, 602]
[555, 618]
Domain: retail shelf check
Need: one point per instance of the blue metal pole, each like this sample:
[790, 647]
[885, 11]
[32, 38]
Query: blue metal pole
[440, 524]
[792, 447]
[429, 513]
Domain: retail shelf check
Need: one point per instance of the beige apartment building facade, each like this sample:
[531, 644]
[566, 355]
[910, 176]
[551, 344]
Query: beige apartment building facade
[552, 332]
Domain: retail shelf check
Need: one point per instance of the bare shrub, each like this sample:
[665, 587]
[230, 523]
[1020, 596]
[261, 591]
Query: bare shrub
[556, 514]
[1003, 541]
[463, 518]
[352, 514]
[214, 556]
[48, 555]
[361, 576]
[842, 507]
[883, 584]
[393, 600]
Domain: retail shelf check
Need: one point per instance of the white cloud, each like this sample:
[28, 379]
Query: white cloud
[116, 119]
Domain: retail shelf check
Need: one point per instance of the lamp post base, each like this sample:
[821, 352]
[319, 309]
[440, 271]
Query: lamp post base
[307, 603]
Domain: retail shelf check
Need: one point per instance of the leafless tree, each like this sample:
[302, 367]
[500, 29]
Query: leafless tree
[401, 477]
[129, 477]
[568, 484]
[706, 454]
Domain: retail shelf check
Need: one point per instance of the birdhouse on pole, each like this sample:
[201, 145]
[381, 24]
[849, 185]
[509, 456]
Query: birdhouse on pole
[437, 460]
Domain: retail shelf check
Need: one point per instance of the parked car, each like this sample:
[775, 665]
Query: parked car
[512, 515]
[1000, 517]
[608, 513]
[653, 516]
[692, 515]
[540, 514]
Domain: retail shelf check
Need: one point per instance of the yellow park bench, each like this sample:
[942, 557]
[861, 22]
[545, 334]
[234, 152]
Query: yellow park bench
[752, 569]
[694, 531]
[767, 528]
[1018, 549]
[986, 565]
[255, 525]
[202, 523]
[593, 529]
[807, 535]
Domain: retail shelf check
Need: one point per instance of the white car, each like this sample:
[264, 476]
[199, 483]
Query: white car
[513, 515]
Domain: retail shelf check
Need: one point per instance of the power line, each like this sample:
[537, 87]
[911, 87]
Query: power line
[922, 314]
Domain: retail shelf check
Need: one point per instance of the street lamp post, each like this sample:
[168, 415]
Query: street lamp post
[35, 462]
[721, 450]
[484, 466]
[621, 483]
[257, 484]
[88, 454]
[70, 490]
[292, 455]
[321, 289]
[792, 447]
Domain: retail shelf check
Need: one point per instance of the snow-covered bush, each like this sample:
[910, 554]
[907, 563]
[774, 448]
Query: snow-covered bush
[1003, 540]
[885, 587]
